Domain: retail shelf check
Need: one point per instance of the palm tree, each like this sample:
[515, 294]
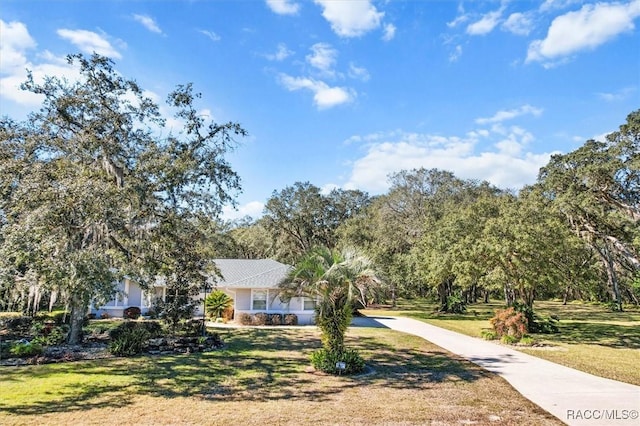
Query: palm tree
[336, 279]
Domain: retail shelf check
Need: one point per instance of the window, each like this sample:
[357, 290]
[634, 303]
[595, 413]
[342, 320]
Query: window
[308, 304]
[259, 300]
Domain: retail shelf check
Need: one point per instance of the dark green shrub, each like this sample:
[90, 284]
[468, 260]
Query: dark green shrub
[260, 318]
[25, 349]
[536, 323]
[132, 312]
[152, 328]
[245, 319]
[455, 304]
[327, 361]
[130, 341]
[489, 335]
[290, 319]
[217, 303]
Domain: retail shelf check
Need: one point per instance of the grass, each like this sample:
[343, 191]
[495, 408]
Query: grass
[591, 338]
[262, 377]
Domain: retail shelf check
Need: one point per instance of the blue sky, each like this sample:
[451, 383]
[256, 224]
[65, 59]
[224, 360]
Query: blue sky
[343, 93]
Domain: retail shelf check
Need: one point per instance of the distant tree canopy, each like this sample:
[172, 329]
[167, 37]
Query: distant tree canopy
[573, 234]
[93, 187]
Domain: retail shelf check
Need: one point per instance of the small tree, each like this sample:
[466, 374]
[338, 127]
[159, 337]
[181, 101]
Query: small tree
[216, 303]
[337, 279]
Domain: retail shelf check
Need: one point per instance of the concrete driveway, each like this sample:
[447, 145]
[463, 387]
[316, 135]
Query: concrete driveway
[575, 397]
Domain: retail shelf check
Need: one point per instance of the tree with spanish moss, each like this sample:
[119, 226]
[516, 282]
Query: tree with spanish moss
[94, 188]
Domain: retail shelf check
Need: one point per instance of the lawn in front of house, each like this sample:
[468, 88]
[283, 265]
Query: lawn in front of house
[591, 338]
[262, 377]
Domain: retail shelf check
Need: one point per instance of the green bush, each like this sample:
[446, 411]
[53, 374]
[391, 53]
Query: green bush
[527, 341]
[455, 304]
[537, 323]
[509, 339]
[217, 303]
[489, 335]
[326, 361]
[25, 349]
[152, 328]
[130, 341]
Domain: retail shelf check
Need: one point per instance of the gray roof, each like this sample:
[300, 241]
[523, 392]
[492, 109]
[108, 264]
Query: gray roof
[251, 273]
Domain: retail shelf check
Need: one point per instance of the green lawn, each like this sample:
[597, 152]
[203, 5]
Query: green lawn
[591, 338]
[262, 377]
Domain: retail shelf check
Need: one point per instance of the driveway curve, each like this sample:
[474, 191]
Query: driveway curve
[575, 397]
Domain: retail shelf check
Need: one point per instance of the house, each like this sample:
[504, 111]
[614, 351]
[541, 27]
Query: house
[251, 283]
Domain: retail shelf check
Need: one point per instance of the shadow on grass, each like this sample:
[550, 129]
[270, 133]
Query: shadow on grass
[610, 335]
[255, 365]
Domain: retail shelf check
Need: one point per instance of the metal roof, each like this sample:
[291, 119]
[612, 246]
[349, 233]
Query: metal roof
[250, 273]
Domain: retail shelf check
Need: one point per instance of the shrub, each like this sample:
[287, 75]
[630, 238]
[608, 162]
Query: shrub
[489, 335]
[260, 318]
[326, 361]
[25, 349]
[508, 339]
[152, 328]
[455, 304]
[508, 322]
[217, 303]
[130, 341]
[132, 312]
[51, 335]
[535, 322]
[245, 319]
[290, 319]
[526, 341]
[275, 319]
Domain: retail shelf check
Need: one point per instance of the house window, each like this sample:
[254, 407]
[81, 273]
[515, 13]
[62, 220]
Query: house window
[259, 300]
[308, 304]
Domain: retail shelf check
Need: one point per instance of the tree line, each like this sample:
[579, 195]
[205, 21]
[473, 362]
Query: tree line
[574, 234]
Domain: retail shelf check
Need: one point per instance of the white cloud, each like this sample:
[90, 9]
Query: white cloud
[503, 115]
[49, 65]
[14, 42]
[283, 7]
[89, 42]
[506, 166]
[212, 36]
[518, 23]
[617, 96]
[351, 18]
[550, 5]
[324, 96]
[148, 22]
[253, 209]
[281, 53]
[486, 24]
[587, 28]
[323, 57]
[359, 73]
[389, 32]
[455, 55]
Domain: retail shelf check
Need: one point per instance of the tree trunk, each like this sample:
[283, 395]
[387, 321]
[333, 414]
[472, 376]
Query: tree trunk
[78, 311]
[611, 276]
